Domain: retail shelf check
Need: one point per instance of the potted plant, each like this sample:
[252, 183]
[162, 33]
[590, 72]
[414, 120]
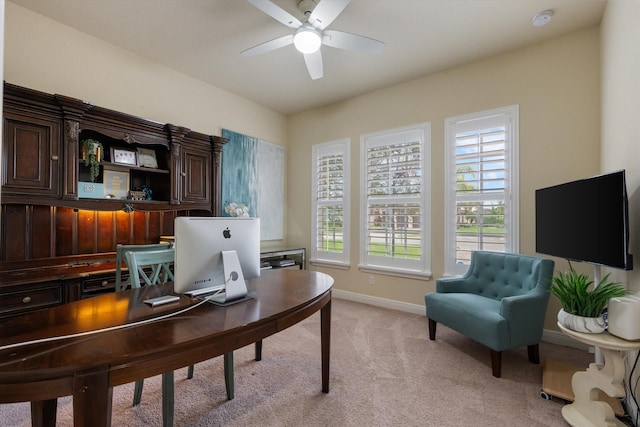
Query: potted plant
[93, 154]
[583, 303]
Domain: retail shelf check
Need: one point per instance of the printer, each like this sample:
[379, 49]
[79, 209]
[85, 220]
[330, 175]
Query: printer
[624, 317]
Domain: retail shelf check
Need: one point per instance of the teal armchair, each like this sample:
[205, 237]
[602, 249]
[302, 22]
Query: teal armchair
[500, 302]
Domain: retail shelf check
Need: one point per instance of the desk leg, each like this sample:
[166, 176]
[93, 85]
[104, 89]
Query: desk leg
[586, 410]
[258, 351]
[229, 379]
[44, 412]
[92, 399]
[325, 343]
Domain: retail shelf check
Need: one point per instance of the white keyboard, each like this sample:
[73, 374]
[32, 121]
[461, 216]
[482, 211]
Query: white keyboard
[162, 300]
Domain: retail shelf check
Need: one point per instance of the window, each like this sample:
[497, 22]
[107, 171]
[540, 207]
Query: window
[481, 189]
[395, 218]
[330, 198]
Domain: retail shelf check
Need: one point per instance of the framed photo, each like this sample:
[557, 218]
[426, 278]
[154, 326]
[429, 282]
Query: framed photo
[147, 158]
[116, 184]
[124, 156]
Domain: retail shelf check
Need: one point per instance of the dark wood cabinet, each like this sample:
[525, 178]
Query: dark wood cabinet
[32, 151]
[196, 172]
[51, 212]
[42, 151]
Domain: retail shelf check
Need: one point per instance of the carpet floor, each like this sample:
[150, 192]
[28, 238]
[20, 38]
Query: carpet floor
[384, 372]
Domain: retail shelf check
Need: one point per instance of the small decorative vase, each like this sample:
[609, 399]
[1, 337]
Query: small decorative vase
[590, 325]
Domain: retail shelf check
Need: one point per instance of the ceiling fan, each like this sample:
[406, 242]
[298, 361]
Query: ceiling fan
[309, 35]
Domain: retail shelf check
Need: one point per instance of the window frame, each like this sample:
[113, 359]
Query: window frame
[416, 269]
[318, 257]
[510, 115]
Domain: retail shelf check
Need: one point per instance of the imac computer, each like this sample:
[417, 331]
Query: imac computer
[214, 255]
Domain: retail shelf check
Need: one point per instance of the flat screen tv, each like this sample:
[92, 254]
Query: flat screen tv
[585, 220]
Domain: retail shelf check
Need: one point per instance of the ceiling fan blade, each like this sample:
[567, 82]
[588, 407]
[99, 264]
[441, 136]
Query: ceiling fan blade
[277, 13]
[269, 46]
[314, 64]
[326, 11]
[349, 41]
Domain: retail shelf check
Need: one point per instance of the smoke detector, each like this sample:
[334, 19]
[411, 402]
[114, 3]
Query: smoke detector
[542, 18]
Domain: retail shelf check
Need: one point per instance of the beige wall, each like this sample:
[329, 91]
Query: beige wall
[556, 84]
[620, 144]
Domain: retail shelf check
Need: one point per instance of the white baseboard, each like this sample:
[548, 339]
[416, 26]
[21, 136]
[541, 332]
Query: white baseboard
[557, 337]
[380, 302]
[553, 337]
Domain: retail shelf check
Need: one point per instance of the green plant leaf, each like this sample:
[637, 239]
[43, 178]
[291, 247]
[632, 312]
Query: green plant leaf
[579, 296]
[91, 159]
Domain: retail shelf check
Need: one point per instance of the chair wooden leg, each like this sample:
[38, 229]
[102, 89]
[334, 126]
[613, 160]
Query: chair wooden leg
[190, 372]
[228, 374]
[258, 350]
[534, 353]
[167, 399]
[432, 329]
[496, 363]
[137, 392]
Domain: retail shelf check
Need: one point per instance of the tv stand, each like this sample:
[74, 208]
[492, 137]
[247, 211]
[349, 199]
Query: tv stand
[557, 377]
[556, 382]
[284, 258]
[608, 377]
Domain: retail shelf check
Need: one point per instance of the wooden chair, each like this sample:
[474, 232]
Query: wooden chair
[120, 258]
[159, 261]
[158, 270]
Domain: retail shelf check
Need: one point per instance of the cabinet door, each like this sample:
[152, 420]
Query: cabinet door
[196, 176]
[31, 154]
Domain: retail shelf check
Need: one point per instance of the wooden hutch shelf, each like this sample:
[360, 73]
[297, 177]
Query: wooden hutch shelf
[58, 244]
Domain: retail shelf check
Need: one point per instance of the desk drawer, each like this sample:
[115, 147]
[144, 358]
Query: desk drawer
[100, 285]
[31, 298]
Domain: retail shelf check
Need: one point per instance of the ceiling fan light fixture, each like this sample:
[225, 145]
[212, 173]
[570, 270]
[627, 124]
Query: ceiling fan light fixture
[307, 40]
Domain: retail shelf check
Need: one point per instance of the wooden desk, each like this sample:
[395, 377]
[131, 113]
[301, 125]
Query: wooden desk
[88, 367]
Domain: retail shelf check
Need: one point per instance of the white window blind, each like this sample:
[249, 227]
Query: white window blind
[480, 208]
[330, 202]
[394, 195]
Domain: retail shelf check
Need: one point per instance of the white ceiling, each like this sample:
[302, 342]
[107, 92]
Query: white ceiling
[204, 38]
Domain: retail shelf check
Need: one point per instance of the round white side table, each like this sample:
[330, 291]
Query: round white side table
[585, 409]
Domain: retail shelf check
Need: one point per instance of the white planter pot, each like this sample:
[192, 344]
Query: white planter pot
[593, 325]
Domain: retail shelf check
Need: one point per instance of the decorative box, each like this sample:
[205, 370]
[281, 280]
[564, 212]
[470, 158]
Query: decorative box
[137, 195]
[90, 190]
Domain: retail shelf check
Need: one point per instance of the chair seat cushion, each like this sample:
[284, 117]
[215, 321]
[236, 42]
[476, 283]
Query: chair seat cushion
[472, 315]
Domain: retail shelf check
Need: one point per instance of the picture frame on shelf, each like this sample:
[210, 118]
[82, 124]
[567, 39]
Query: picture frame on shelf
[147, 158]
[124, 156]
[116, 184]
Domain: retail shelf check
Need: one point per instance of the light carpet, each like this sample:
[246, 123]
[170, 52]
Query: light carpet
[384, 372]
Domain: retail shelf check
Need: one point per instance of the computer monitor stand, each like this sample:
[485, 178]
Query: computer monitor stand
[235, 287]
